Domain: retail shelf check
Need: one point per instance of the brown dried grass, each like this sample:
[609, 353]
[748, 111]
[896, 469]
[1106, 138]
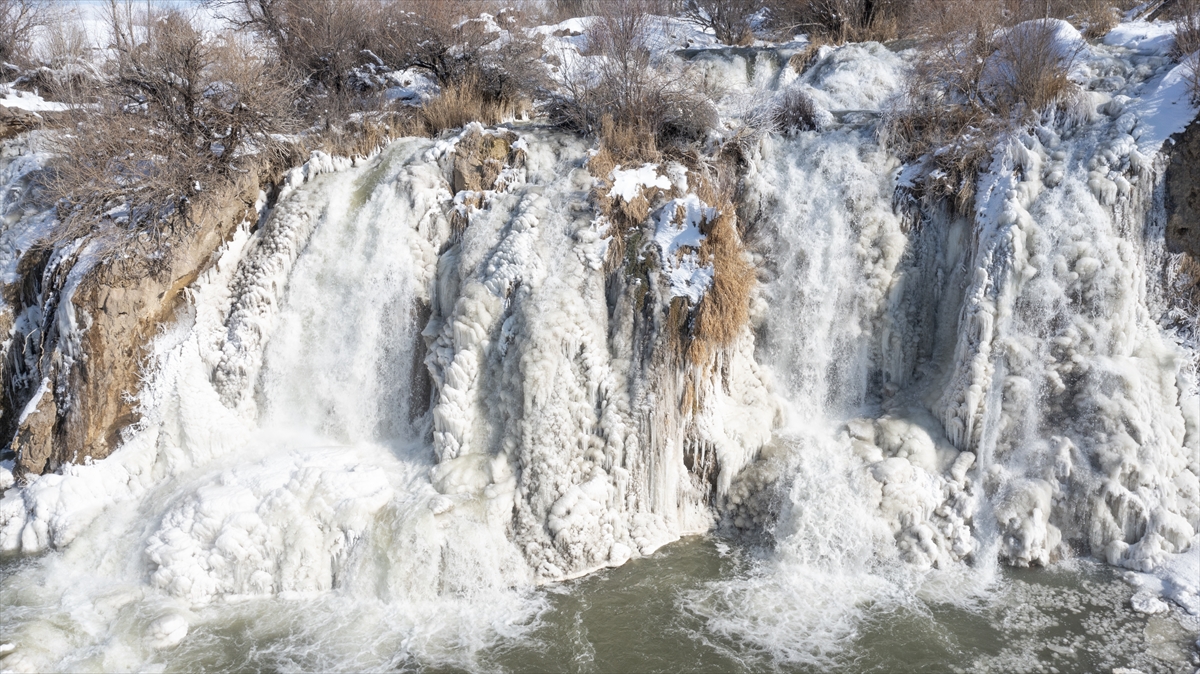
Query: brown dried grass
[459, 104]
[724, 310]
[629, 145]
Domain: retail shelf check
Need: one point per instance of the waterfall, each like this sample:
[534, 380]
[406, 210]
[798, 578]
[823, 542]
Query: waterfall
[401, 401]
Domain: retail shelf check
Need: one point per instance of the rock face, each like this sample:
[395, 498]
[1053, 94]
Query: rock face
[84, 379]
[1183, 193]
[14, 121]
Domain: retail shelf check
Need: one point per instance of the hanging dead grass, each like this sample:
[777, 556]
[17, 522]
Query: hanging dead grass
[724, 310]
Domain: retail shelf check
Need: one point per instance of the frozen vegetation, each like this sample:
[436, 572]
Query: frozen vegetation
[483, 332]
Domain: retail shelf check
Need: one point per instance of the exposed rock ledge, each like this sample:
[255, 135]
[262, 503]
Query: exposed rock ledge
[85, 381]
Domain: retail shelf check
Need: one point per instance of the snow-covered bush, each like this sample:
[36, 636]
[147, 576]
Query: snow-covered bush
[976, 77]
[485, 65]
[792, 111]
[1187, 27]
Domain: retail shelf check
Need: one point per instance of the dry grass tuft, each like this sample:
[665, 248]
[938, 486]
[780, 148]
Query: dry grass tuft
[723, 312]
[792, 111]
[459, 104]
[365, 134]
[802, 60]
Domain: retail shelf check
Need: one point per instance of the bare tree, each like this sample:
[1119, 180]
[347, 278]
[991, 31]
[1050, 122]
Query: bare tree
[177, 115]
[18, 19]
[322, 39]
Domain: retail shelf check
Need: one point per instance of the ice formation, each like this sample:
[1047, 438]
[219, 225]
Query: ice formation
[363, 402]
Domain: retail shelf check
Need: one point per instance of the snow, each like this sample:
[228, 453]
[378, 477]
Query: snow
[678, 228]
[627, 184]
[1176, 578]
[25, 100]
[1143, 37]
[1165, 106]
[411, 86]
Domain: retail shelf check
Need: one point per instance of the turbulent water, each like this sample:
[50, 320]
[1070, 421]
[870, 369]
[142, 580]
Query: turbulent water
[392, 423]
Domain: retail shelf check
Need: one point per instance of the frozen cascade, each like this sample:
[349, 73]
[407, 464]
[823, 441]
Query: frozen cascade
[410, 405]
[284, 448]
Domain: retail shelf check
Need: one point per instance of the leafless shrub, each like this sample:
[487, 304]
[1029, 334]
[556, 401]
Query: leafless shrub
[481, 69]
[64, 43]
[843, 20]
[1031, 67]
[973, 81]
[1098, 17]
[792, 111]
[1187, 27]
[1192, 75]
[627, 97]
[178, 115]
[18, 19]
[321, 39]
[64, 69]
[728, 19]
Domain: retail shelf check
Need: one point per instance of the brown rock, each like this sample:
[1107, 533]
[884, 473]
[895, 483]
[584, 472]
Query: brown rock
[119, 305]
[14, 121]
[34, 441]
[1183, 193]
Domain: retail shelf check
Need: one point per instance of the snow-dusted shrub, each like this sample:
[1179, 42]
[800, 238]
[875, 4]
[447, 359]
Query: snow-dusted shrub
[18, 19]
[482, 62]
[792, 111]
[178, 115]
[730, 20]
[621, 91]
[975, 79]
[1029, 68]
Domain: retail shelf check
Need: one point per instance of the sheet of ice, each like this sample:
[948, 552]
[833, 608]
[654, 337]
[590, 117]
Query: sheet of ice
[1177, 578]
